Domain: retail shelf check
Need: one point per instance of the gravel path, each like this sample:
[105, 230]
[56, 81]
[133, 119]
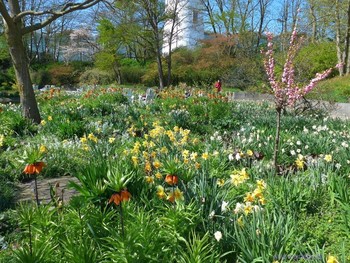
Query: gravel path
[27, 193]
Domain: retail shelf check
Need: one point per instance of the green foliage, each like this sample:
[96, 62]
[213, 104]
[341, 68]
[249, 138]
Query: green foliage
[96, 76]
[62, 75]
[7, 194]
[313, 58]
[41, 77]
[198, 250]
[265, 236]
[334, 90]
[306, 212]
[132, 74]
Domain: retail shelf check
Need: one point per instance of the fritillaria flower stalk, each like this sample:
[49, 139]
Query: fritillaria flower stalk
[286, 91]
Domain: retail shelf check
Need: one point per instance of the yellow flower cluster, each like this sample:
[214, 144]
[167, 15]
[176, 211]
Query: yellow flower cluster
[84, 141]
[332, 259]
[252, 200]
[328, 158]
[239, 176]
[157, 143]
[172, 194]
[300, 162]
[2, 137]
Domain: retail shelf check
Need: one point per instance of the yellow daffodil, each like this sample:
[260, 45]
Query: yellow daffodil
[193, 156]
[92, 137]
[220, 182]
[49, 118]
[299, 163]
[239, 177]
[148, 167]
[42, 149]
[164, 150]
[261, 184]
[262, 201]
[83, 139]
[257, 193]
[195, 141]
[43, 122]
[135, 160]
[2, 137]
[176, 195]
[248, 208]
[185, 153]
[250, 153]
[157, 164]
[158, 175]
[205, 156]
[328, 158]
[160, 192]
[215, 153]
[111, 140]
[249, 198]
[240, 221]
[332, 259]
[150, 179]
[86, 147]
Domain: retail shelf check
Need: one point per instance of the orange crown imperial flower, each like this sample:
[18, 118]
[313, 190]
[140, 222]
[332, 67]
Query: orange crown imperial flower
[171, 179]
[116, 198]
[34, 168]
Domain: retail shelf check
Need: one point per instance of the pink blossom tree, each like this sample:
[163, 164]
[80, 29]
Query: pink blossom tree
[286, 91]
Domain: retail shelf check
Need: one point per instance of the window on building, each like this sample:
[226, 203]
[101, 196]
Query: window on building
[195, 16]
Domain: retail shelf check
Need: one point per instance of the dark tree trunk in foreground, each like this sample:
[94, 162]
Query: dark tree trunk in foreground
[21, 66]
[15, 30]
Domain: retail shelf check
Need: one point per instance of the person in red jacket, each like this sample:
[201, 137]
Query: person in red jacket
[218, 86]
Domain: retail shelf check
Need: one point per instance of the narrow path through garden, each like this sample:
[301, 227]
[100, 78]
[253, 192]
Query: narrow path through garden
[27, 193]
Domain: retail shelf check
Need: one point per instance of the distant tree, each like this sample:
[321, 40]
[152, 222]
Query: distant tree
[14, 15]
[173, 18]
[81, 46]
[153, 12]
[108, 58]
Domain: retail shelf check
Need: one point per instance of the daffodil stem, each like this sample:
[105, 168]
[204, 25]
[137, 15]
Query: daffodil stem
[121, 218]
[36, 191]
[277, 139]
[30, 239]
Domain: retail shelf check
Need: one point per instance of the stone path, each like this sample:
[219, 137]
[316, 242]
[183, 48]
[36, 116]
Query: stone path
[27, 193]
[335, 110]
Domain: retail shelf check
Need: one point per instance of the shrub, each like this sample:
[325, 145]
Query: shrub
[62, 75]
[314, 58]
[41, 77]
[132, 74]
[96, 77]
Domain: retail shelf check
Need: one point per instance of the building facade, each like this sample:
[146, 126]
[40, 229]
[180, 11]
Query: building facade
[185, 27]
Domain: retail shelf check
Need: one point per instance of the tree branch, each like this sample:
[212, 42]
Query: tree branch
[4, 13]
[54, 14]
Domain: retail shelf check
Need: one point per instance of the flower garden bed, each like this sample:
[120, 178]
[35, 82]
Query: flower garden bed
[176, 180]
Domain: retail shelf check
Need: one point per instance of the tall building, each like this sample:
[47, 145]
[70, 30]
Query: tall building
[187, 27]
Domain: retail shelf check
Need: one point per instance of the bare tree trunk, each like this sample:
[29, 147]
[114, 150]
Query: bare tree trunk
[210, 12]
[20, 62]
[347, 42]
[160, 69]
[263, 8]
[277, 139]
[313, 22]
[340, 54]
